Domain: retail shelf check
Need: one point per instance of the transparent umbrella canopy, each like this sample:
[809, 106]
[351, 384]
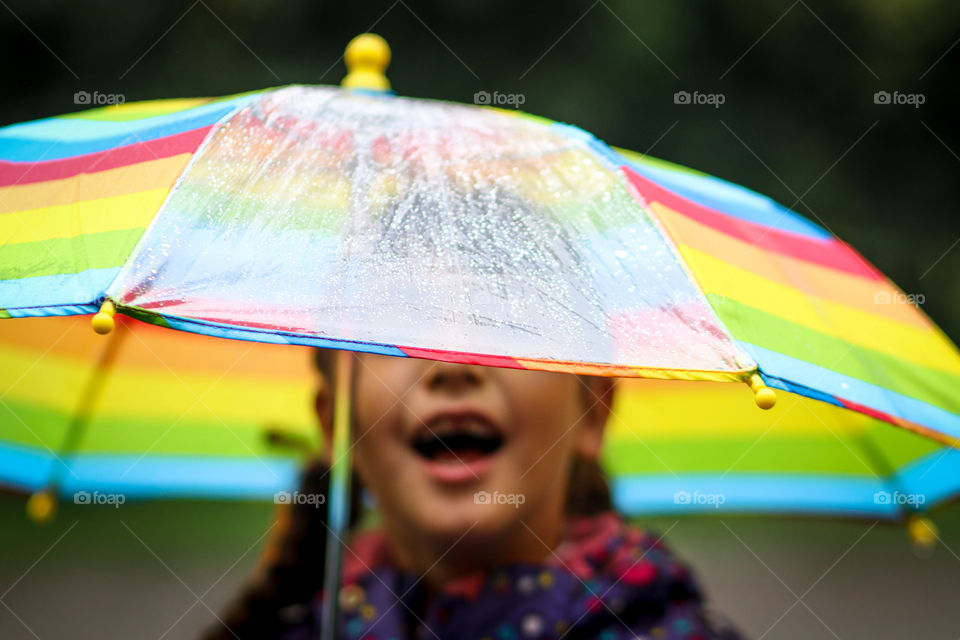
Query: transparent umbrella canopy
[354, 219]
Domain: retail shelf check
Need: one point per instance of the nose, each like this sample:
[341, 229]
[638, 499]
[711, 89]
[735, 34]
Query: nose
[454, 377]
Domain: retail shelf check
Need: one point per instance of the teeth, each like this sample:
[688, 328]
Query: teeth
[452, 436]
[447, 425]
[477, 428]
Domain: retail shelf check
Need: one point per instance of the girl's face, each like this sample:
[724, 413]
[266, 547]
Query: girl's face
[448, 448]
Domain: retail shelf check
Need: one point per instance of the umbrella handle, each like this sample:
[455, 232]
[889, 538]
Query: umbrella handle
[338, 502]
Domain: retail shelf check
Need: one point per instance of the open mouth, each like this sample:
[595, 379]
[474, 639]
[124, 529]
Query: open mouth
[457, 438]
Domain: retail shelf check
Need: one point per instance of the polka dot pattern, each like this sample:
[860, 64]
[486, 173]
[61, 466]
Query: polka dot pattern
[608, 581]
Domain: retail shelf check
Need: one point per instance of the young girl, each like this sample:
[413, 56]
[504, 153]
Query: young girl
[495, 519]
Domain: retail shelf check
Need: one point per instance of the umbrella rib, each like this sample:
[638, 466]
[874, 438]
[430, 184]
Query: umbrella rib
[85, 404]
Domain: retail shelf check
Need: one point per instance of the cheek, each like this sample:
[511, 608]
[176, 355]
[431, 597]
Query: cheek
[545, 414]
[375, 410]
[376, 420]
[377, 386]
[376, 454]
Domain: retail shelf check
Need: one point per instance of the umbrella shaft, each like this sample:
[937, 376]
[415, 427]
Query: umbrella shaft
[338, 514]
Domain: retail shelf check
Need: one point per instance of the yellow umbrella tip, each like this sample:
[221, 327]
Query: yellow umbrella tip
[42, 506]
[367, 57]
[764, 396]
[923, 533]
[102, 322]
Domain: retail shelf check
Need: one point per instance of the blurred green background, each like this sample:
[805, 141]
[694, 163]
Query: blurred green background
[799, 122]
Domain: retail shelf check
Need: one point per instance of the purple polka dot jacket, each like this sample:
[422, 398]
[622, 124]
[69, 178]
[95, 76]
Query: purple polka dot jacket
[607, 580]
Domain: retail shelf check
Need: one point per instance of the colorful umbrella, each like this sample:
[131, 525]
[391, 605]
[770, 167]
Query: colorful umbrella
[358, 220]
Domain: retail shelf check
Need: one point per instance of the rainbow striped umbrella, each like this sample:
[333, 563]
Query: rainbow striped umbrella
[153, 413]
[358, 220]
[147, 412]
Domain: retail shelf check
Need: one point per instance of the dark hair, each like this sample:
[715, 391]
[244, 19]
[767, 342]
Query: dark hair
[290, 573]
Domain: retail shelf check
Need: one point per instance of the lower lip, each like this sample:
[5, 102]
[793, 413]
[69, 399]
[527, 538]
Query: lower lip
[455, 471]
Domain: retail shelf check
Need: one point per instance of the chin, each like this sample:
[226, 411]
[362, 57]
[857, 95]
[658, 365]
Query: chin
[448, 519]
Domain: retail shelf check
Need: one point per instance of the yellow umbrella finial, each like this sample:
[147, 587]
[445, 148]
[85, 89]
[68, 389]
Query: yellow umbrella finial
[42, 506]
[923, 533]
[102, 322]
[367, 57]
[764, 396]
